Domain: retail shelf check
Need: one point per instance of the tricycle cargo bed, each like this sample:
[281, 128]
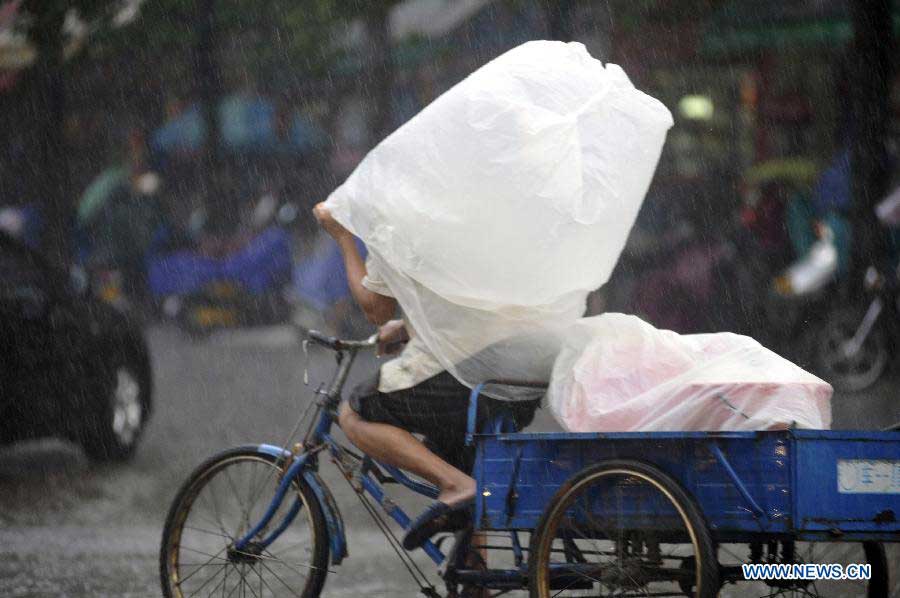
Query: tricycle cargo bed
[815, 485]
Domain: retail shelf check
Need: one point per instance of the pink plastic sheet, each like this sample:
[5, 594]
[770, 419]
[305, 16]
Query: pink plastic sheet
[619, 373]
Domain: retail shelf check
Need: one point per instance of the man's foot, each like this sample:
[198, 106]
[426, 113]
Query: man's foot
[439, 517]
[459, 493]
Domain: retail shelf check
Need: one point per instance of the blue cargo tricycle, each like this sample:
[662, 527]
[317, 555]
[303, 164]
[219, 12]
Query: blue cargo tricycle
[781, 513]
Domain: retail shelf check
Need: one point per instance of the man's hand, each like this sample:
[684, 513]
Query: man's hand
[391, 337]
[327, 222]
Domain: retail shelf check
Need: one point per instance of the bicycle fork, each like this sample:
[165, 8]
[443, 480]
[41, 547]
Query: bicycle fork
[287, 477]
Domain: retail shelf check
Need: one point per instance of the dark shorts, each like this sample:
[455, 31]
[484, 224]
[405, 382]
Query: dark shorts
[438, 410]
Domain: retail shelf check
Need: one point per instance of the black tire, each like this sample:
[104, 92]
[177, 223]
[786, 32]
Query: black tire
[844, 373]
[171, 576]
[880, 583]
[703, 567]
[121, 414]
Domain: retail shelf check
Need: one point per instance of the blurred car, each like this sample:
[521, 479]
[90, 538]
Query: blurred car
[71, 366]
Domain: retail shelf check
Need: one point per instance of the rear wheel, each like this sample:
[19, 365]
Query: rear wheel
[840, 362]
[221, 502]
[622, 528]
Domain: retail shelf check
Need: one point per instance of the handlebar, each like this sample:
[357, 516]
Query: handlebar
[336, 344]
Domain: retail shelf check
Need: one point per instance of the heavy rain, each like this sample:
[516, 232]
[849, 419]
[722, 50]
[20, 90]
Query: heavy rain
[449, 298]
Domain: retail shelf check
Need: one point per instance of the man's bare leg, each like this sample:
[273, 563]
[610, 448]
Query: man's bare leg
[399, 448]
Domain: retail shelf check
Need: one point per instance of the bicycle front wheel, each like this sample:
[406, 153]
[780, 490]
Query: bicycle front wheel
[221, 501]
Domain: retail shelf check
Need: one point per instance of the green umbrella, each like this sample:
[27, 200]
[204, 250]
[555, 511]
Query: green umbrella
[99, 192]
[795, 170]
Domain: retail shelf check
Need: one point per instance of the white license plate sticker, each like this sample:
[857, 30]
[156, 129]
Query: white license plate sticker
[868, 476]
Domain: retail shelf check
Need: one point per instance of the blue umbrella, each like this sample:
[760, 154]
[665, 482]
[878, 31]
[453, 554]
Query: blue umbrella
[246, 123]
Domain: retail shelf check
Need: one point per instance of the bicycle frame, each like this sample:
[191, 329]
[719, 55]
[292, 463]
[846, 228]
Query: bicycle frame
[369, 475]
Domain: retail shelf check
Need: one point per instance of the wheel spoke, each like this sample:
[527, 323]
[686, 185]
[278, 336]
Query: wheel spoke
[217, 507]
[221, 583]
[261, 582]
[208, 563]
[259, 491]
[276, 576]
[225, 581]
[236, 586]
[249, 586]
[211, 556]
[206, 531]
[288, 548]
[205, 583]
[270, 557]
[205, 521]
[216, 514]
[245, 522]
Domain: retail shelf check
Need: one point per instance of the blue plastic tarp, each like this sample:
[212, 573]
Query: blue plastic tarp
[263, 264]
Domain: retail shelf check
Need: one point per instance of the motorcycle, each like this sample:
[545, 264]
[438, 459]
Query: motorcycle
[796, 246]
[240, 280]
[854, 345]
[798, 296]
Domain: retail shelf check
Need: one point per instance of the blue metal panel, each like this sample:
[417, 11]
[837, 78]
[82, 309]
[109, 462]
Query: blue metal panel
[621, 435]
[864, 435]
[762, 483]
[760, 461]
[868, 503]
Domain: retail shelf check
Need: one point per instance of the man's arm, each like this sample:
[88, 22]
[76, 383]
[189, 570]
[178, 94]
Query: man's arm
[379, 309]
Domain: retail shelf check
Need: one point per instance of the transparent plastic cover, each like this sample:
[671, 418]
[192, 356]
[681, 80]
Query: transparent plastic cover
[617, 373]
[504, 202]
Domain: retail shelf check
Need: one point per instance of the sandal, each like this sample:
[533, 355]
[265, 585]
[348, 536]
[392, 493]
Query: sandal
[439, 517]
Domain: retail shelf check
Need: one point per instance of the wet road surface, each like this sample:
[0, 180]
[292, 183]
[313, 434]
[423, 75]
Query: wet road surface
[68, 528]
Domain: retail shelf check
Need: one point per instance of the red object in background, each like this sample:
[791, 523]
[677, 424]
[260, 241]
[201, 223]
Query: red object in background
[8, 12]
[748, 217]
[8, 80]
[788, 108]
[768, 221]
[674, 296]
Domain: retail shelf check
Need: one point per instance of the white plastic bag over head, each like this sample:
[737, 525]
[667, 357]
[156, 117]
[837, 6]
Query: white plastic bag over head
[617, 373]
[504, 202]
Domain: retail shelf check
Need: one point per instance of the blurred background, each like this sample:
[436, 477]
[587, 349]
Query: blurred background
[160, 158]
